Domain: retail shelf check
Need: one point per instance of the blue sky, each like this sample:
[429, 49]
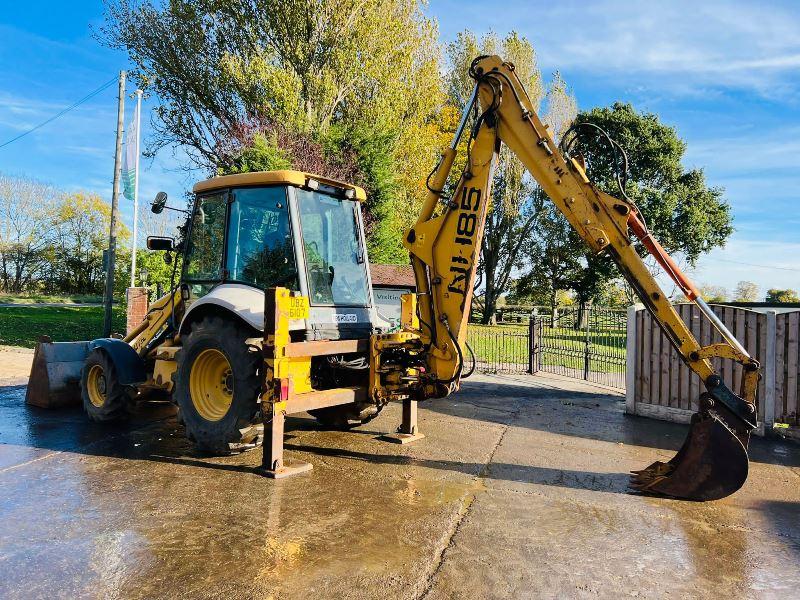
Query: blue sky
[725, 74]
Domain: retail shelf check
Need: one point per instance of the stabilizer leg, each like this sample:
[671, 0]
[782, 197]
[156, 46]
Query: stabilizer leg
[408, 431]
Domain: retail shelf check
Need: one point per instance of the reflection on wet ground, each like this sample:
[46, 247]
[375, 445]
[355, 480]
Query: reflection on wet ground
[519, 489]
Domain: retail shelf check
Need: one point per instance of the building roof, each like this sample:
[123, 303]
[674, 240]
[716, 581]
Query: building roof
[392, 276]
[286, 177]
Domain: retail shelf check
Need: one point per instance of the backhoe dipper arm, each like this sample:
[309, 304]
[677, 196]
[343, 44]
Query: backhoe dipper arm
[445, 248]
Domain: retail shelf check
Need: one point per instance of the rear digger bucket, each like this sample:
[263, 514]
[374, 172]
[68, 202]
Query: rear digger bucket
[711, 464]
[56, 373]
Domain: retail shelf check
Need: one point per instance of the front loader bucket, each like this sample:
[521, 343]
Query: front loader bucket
[711, 464]
[56, 373]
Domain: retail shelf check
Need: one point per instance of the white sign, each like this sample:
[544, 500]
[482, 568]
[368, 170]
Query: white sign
[387, 301]
[345, 318]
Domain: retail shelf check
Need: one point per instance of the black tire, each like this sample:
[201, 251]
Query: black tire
[216, 430]
[345, 416]
[104, 398]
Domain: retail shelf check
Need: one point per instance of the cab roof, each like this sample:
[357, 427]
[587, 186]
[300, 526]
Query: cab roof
[285, 177]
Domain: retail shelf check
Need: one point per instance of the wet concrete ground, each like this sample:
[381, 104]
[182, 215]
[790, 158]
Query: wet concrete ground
[518, 490]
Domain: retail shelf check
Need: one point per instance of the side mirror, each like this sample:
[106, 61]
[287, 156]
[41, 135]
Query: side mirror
[157, 207]
[155, 242]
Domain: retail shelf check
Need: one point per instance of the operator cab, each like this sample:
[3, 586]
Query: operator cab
[253, 231]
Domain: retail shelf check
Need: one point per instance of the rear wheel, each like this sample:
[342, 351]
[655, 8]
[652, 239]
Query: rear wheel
[216, 387]
[104, 398]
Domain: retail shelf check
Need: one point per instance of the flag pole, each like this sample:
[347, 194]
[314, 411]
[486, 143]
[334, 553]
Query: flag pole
[136, 186]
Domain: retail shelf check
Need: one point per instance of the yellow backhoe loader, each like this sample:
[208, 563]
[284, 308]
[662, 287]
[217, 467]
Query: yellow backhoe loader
[273, 312]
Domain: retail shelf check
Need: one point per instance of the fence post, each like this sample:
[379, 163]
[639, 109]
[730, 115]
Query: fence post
[586, 343]
[769, 368]
[630, 360]
[532, 345]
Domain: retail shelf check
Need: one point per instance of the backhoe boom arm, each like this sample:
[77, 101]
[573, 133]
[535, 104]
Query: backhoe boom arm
[444, 248]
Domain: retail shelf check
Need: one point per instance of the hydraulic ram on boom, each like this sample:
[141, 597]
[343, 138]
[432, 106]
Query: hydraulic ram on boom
[426, 360]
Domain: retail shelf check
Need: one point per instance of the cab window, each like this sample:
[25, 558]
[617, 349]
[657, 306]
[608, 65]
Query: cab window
[203, 261]
[335, 259]
[260, 250]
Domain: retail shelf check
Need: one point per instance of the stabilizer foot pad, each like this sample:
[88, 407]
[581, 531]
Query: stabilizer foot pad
[401, 438]
[288, 469]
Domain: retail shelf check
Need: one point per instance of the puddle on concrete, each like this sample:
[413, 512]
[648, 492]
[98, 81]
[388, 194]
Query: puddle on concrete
[136, 514]
[133, 526]
[423, 492]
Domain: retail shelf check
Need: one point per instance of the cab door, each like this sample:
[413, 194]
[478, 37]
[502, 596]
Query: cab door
[205, 245]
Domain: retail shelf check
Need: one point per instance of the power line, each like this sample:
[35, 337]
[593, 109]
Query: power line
[747, 264]
[63, 112]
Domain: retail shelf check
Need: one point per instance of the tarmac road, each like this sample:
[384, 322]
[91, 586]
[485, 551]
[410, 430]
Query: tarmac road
[518, 490]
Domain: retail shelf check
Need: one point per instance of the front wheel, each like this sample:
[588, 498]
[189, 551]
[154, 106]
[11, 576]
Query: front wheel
[104, 398]
[216, 387]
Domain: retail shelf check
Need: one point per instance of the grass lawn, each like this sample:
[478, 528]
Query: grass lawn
[499, 343]
[560, 346]
[43, 298]
[22, 326]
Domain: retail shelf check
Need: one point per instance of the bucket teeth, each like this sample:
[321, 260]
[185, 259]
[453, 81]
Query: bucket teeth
[711, 464]
[641, 480]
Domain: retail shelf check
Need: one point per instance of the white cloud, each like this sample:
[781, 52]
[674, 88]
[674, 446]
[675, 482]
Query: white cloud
[769, 264]
[682, 44]
[748, 151]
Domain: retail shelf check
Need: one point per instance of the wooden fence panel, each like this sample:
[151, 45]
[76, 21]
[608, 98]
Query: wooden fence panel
[665, 387]
[792, 350]
[780, 366]
[751, 345]
[740, 333]
[640, 355]
[647, 340]
[663, 368]
[694, 389]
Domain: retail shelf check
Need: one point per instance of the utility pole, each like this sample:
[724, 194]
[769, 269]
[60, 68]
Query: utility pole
[112, 235]
[138, 122]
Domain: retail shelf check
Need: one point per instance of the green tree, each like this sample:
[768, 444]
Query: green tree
[80, 224]
[554, 264]
[686, 215]
[746, 291]
[781, 296]
[238, 79]
[159, 271]
[713, 293]
[372, 152]
[25, 232]
[614, 295]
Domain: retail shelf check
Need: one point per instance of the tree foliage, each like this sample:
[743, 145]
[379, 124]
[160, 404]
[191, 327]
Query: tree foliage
[51, 241]
[556, 263]
[155, 273]
[353, 89]
[686, 215]
[746, 291]
[24, 230]
[246, 84]
[781, 296]
[713, 293]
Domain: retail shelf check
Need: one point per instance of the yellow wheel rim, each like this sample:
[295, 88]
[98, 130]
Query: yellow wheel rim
[96, 385]
[211, 384]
